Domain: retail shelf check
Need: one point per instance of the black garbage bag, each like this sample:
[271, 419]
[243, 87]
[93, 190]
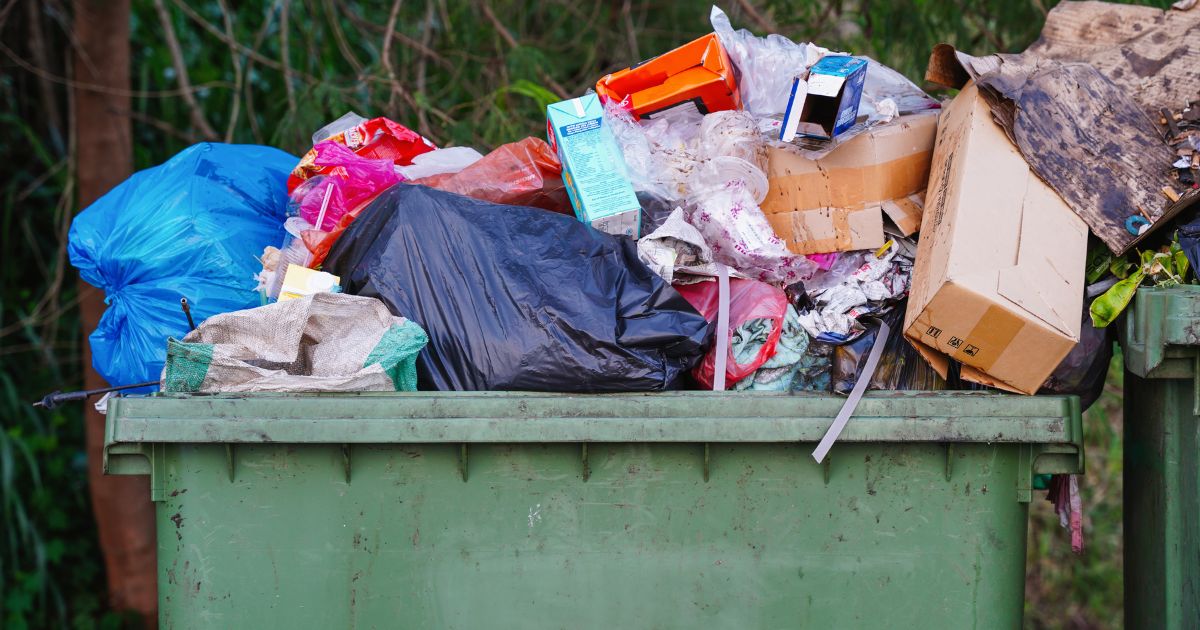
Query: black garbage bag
[1083, 371]
[900, 367]
[1189, 241]
[517, 298]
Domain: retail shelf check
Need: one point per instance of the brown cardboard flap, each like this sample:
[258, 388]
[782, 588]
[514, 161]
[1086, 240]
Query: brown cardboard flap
[941, 364]
[1048, 273]
[906, 212]
[824, 230]
[1150, 53]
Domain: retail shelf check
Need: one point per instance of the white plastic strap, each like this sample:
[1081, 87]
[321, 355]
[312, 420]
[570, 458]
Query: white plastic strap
[320, 221]
[324, 207]
[856, 394]
[722, 327]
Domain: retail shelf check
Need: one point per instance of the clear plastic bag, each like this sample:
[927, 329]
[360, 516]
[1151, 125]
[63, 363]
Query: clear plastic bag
[736, 229]
[659, 153]
[767, 66]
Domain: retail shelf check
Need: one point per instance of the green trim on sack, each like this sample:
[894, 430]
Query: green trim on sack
[187, 366]
[396, 353]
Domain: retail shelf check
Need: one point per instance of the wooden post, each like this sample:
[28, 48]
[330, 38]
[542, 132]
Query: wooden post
[103, 159]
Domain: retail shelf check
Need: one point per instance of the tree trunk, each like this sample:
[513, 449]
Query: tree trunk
[103, 159]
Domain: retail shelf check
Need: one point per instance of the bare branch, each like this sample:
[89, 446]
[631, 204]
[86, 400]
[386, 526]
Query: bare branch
[385, 55]
[756, 17]
[102, 89]
[181, 73]
[236, 97]
[485, 6]
[284, 54]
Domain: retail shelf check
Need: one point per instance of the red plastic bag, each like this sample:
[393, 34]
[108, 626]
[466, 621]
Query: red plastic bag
[522, 173]
[375, 139]
[748, 300]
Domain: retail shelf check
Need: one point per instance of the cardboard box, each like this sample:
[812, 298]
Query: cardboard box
[825, 104]
[837, 203]
[593, 168]
[999, 276]
[697, 74]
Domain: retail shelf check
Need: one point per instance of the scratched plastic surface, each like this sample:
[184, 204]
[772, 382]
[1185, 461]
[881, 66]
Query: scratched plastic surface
[642, 533]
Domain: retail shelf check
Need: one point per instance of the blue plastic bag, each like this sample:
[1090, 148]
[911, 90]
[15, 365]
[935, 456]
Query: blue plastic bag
[191, 227]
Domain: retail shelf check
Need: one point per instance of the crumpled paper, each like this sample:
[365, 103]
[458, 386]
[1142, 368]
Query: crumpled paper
[676, 251]
[840, 304]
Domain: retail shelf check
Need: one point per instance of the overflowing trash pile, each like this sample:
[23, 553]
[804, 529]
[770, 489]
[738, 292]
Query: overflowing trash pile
[740, 213]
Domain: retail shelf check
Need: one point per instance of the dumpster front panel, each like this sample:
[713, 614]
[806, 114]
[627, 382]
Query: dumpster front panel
[644, 542]
[507, 510]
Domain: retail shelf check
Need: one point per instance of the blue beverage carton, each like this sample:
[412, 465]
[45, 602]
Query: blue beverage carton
[827, 103]
[593, 167]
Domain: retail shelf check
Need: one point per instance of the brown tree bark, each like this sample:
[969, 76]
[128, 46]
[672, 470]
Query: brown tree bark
[103, 159]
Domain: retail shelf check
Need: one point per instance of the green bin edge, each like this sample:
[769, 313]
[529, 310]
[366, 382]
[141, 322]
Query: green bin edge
[1051, 426]
[231, 473]
[1161, 341]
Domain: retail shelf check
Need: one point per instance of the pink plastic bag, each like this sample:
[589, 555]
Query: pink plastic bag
[748, 300]
[350, 180]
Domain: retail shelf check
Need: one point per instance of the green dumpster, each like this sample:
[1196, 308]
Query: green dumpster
[1161, 341]
[522, 510]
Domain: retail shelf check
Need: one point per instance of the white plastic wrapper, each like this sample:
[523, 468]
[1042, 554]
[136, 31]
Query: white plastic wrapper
[439, 162]
[736, 229]
[843, 296]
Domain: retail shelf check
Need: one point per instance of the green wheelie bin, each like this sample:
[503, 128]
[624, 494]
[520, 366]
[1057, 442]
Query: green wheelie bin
[1161, 342]
[525, 510]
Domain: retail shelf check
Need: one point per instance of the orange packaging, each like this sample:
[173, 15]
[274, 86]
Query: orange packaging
[698, 72]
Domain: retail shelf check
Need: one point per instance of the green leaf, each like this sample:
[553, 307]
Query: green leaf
[541, 95]
[1106, 308]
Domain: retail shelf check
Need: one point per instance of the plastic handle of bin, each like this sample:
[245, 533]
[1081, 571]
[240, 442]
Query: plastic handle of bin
[722, 327]
[856, 394]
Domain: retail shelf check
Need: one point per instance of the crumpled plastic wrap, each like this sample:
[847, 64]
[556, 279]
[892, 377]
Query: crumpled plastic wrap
[767, 66]
[842, 298]
[440, 162]
[730, 220]
[659, 152]
[522, 173]
[724, 191]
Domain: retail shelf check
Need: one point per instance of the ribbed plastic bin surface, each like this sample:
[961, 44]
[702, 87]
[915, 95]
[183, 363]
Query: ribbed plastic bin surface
[510, 510]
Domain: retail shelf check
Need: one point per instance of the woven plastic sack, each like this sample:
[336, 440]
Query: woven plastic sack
[326, 342]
